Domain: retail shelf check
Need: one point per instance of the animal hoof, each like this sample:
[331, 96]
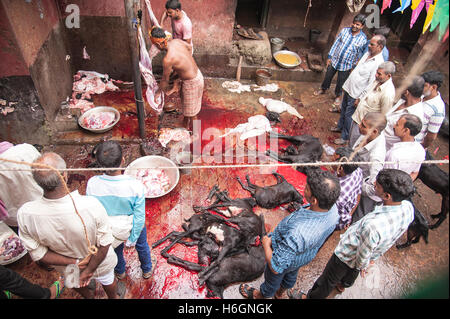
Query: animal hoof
[402, 246]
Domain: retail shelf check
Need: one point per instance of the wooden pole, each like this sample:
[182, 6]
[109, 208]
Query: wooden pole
[132, 39]
[239, 68]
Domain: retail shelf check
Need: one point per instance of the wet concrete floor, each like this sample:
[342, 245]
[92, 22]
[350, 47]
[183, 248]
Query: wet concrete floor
[392, 276]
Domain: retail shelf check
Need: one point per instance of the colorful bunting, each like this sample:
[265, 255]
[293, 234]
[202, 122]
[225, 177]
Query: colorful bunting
[430, 13]
[440, 17]
[403, 5]
[437, 14]
[386, 4]
[417, 6]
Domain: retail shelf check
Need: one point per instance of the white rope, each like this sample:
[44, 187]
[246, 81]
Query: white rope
[228, 166]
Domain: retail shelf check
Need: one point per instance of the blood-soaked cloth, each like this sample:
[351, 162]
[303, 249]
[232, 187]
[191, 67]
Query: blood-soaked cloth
[191, 95]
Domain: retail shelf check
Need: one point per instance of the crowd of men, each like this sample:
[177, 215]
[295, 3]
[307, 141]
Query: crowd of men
[368, 202]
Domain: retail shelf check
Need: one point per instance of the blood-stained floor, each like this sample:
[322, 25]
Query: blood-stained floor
[392, 276]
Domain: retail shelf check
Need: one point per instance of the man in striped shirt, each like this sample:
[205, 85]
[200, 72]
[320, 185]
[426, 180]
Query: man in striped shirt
[343, 56]
[369, 238]
[433, 108]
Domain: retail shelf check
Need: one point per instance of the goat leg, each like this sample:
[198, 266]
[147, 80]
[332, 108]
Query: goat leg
[170, 235]
[252, 191]
[443, 214]
[184, 263]
[279, 157]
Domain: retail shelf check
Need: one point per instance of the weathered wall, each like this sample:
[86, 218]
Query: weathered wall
[40, 46]
[11, 60]
[287, 18]
[104, 33]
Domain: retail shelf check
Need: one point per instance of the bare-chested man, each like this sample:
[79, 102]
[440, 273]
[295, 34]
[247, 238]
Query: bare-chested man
[179, 59]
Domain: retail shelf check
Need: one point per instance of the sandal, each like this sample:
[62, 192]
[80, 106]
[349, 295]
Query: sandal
[295, 294]
[147, 275]
[335, 109]
[246, 291]
[319, 92]
[121, 289]
[58, 285]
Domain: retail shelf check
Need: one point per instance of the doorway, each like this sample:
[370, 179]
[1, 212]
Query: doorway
[252, 13]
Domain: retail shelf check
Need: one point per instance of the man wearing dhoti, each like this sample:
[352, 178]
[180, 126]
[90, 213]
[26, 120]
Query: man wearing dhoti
[179, 59]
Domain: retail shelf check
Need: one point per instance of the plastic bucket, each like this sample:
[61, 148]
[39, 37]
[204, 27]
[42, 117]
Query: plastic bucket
[276, 44]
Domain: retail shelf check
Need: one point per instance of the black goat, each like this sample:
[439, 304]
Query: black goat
[418, 228]
[224, 244]
[243, 267]
[436, 179]
[275, 195]
[307, 149]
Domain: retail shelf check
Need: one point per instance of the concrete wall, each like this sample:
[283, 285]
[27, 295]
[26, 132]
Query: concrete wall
[35, 66]
[104, 33]
[287, 18]
[12, 63]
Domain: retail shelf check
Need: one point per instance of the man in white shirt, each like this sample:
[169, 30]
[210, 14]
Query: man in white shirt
[433, 107]
[357, 82]
[410, 102]
[53, 232]
[371, 147]
[12, 181]
[408, 154]
[379, 97]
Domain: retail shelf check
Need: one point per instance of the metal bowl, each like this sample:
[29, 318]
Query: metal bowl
[153, 161]
[284, 65]
[99, 109]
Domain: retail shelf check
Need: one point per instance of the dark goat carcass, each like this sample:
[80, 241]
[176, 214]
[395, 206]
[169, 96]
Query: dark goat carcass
[225, 245]
[306, 149]
[275, 195]
[436, 179]
[418, 228]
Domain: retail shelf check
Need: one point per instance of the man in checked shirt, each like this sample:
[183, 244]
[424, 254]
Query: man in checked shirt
[369, 238]
[343, 57]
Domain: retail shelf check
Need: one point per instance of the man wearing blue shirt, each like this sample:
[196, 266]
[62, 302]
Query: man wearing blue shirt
[343, 57]
[297, 238]
[369, 238]
[122, 195]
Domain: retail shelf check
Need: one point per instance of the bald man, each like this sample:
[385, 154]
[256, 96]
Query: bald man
[52, 232]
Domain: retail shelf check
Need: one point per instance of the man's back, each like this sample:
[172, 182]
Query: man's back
[53, 224]
[11, 181]
[298, 237]
[179, 57]
[120, 195]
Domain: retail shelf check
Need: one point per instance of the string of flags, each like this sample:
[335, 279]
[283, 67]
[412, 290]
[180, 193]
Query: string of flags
[437, 14]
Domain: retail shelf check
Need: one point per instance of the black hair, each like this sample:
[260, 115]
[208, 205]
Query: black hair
[397, 183]
[433, 77]
[347, 152]
[413, 123]
[324, 187]
[384, 31]
[416, 86]
[360, 18]
[109, 154]
[173, 4]
[158, 33]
